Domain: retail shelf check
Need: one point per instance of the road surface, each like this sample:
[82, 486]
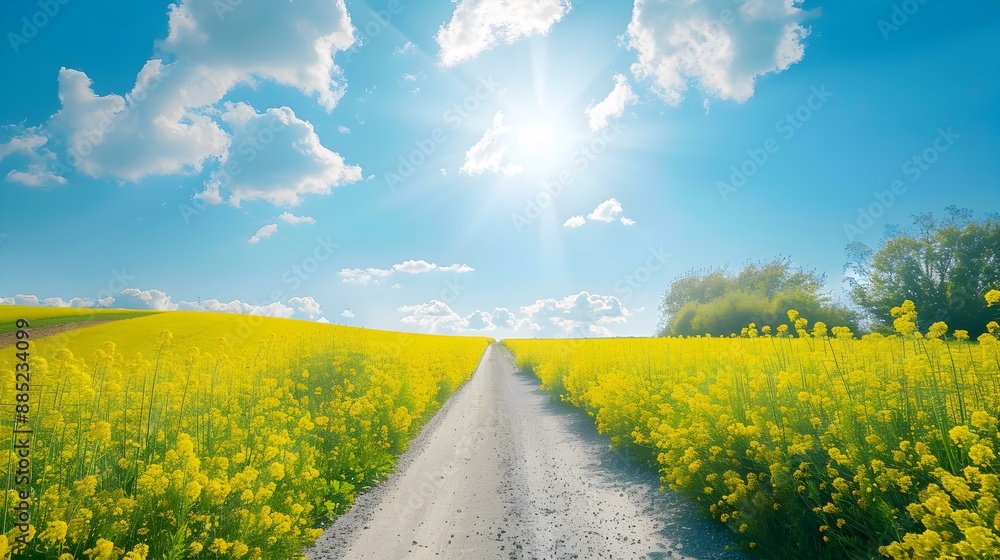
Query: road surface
[504, 472]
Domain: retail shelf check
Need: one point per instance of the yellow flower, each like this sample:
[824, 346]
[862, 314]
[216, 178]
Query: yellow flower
[103, 550]
[277, 471]
[54, 533]
[138, 553]
[992, 296]
[100, 432]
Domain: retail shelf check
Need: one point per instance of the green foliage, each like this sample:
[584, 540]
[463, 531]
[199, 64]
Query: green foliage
[945, 267]
[720, 303]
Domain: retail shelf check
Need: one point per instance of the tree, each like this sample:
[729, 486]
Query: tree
[719, 303]
[945, 267]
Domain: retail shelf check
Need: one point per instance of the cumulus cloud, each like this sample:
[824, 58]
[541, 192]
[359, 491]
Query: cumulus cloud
[166, 124]
[487, 155]
[295, 308]
[364, 276]
[434, 316]
[719, 45]
[276, 157]
[478, 25]
[613, 105]
[290, 218]
[576, 315]
[263, 233]
[157, 300]
[414, 267]
[582, 314]
[29, 144]
[607, 211]
[347, 314]
[306, 306]
[35, 301]
[291, 43]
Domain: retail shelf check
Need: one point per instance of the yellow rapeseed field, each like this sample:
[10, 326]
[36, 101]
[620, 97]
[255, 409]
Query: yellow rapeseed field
[812, 442]
[200, 435]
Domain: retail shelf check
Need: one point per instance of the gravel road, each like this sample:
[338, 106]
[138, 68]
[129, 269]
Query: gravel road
[504, 472]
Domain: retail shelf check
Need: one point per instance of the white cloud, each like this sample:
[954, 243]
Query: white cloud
[35, 301]
[158, 128]
[27, 143]
[133, 298]
[414, 267]
[343, 129]
[298, 308]
[613, 105]
[363, 276]
[607, 211]
[487, 155]
[628, 221]
[263, 233]
[157, 300]
[408, 48]
[457, 268]
[480, 321]
[306, 306]
[293, 163]
[290, 218]
[368, 275]
[35, 175]
[574, 222]
[582, 314]
[434, 316]
[478, 25]
[291, 43]
[720, 45]
[166, 124]
[347, 314]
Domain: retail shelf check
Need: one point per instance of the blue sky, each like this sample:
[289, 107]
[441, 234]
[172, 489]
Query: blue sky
[541, 170]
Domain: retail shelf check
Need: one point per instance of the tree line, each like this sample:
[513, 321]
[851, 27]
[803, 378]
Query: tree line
[945, 266]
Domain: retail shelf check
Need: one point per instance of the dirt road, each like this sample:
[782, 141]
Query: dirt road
[503, 472]
[9, 338]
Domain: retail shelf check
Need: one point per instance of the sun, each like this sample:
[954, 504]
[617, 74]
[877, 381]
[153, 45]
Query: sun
[540, 139]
